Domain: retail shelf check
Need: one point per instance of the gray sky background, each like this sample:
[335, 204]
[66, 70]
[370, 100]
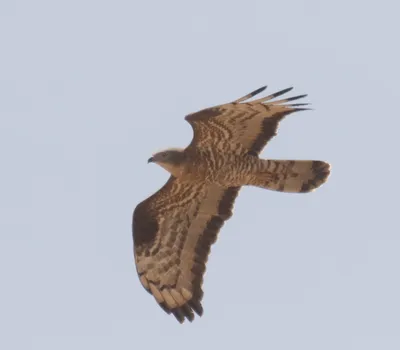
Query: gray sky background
[89, 89]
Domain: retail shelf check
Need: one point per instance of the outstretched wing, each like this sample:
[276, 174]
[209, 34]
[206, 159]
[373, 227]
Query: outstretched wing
[173, 231]
[242, 127]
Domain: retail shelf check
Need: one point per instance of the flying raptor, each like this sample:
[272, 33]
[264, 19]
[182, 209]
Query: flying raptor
[173, 229]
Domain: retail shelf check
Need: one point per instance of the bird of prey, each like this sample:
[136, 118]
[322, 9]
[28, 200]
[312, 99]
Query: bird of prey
[173, 229]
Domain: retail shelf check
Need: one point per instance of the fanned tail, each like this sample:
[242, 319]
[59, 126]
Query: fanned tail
[294, 176]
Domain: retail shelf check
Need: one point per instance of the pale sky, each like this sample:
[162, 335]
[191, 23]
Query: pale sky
[90, 89]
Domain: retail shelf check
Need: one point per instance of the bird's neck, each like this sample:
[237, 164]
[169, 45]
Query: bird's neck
[174, 169]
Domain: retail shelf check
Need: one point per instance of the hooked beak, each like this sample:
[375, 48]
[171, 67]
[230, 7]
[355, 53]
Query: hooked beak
[150, 160]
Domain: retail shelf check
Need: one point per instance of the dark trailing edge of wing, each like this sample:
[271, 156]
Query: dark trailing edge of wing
[269, 129]
[202, 249]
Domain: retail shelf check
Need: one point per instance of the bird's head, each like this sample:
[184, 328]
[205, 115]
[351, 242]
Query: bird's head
[170, 159]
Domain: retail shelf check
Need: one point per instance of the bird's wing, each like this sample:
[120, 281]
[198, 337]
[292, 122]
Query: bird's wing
[239, 126]
[173, 231]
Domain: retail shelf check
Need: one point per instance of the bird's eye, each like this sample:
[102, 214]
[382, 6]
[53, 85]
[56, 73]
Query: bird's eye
[164, 154]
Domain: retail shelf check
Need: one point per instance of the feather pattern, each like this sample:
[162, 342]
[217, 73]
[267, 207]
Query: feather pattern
[174, 229]
[248, 126]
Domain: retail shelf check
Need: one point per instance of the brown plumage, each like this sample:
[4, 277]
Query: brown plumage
[173, 229]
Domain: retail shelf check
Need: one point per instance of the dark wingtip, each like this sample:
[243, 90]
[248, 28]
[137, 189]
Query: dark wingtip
[296, 97]
[188, 312]
[197, 307]
[185, 312]
[304, 109]
[179, 315]
[281, 92]
[256, 92]
[251, 94]
[298, 104]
